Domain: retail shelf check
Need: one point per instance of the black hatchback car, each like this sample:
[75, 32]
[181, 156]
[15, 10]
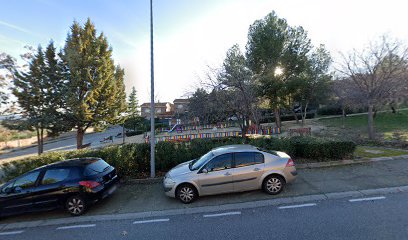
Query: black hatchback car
[72, 184]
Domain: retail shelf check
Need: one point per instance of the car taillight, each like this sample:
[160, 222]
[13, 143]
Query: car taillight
[290, 163]
[89, 184]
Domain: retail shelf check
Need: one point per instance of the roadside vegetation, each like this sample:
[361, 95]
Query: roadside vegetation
[392, 127]
[133, 160]
[10, 135]
[373, 152]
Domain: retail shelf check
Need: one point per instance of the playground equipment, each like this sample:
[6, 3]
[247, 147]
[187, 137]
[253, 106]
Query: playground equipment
[177, 127]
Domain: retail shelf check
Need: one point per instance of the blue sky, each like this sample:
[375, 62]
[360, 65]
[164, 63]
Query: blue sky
[191, 34]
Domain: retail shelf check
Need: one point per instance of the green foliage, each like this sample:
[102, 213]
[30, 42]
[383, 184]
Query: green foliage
[133, 160]
[133, 104]
[135, 123]
[95, 92]
[302, 77]
[40, 94]
[6, 65]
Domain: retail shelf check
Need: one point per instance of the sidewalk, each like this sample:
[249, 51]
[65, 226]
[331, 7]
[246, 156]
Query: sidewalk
[138, 197]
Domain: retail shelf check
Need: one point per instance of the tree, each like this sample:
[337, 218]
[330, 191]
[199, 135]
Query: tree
[235, 79]
[378, 72]
[134, 120]
[133, 103]
[277, 54]
[39, 92]
[95, 91]
[6, 66]
[313, 83]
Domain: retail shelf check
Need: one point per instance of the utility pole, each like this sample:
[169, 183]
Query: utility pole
[152, 110]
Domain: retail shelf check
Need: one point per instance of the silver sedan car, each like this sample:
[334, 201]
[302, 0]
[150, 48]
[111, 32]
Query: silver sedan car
[232, 168]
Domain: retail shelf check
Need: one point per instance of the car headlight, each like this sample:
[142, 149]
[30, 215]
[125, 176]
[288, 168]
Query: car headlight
[168, 181]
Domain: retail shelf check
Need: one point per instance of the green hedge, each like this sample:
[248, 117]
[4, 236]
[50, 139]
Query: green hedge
[133, 160]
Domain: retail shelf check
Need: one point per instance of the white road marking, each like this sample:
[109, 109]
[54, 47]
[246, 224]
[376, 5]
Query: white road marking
[222, 214]
[76, 226]
[10, 233]
[366, 199]
[298, 206]
[152, 221]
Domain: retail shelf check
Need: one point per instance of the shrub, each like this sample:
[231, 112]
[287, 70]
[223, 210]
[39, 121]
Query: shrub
[133, 160]
[134, 133]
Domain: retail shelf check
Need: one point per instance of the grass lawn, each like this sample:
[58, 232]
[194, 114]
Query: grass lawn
[385, 122]
[372, 152]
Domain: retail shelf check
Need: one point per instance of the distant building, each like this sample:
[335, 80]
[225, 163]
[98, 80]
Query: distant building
[175, 112]
[162, 110]
[180, 105]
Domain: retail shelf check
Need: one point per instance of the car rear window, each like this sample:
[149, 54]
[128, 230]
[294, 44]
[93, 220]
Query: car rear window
[99, 166]
[268, 151]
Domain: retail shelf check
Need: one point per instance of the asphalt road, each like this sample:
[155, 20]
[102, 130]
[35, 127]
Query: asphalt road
[378, 217]
[65, 144]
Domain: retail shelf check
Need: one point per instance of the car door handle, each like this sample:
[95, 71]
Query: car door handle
[227, 174]
[257, 169]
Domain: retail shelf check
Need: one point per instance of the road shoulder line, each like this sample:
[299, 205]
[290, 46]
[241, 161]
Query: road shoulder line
[206, 209]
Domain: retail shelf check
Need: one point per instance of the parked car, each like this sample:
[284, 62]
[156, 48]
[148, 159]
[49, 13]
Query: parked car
[232, 168]
[72, 184]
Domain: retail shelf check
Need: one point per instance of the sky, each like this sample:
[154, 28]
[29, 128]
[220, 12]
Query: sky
[190, 35]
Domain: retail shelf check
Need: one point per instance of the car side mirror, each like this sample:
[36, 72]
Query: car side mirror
[17, 189]
[204, 171]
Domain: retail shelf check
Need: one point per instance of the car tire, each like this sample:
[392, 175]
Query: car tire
[273, 184]
[186, 193]
[76, 205]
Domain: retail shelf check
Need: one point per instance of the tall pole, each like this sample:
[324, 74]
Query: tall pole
[152, 110]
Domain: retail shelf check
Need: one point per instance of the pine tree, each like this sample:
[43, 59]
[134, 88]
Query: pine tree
[95, 90]
[133, 104]
[39, 93]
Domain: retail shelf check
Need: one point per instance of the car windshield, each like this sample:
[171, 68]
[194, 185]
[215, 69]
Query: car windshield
[196, 164]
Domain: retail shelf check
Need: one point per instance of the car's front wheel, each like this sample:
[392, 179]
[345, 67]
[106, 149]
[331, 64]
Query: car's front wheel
[76, 205]
[273, 184]
[186, 193]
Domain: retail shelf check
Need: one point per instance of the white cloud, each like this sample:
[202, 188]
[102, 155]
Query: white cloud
[15, 27]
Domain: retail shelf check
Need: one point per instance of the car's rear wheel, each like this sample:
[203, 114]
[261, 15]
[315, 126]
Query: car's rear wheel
[186, 193]
[273, 184]
[76, 205]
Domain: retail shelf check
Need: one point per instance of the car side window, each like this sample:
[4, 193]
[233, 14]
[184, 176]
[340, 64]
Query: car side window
[27, 181]
[219, 163]
[243, 159]
[55, 175]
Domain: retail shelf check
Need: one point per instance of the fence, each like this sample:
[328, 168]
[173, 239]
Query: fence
[188, 137]
[199, 127]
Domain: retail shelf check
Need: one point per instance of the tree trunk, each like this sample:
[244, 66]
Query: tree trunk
[80, 137]
[370, 122]
[38, 140]
[42, 140]
[277, 118]
[304, 115]
[295, 116]
[343, 117]
[244, 128]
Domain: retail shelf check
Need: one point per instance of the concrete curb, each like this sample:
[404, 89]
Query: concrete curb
[348, 162]
[206, 209]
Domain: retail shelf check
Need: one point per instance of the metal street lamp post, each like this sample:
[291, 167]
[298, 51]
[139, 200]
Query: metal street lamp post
[152, 110]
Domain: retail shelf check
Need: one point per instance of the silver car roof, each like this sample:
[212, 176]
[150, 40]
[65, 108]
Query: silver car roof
[233, 148]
